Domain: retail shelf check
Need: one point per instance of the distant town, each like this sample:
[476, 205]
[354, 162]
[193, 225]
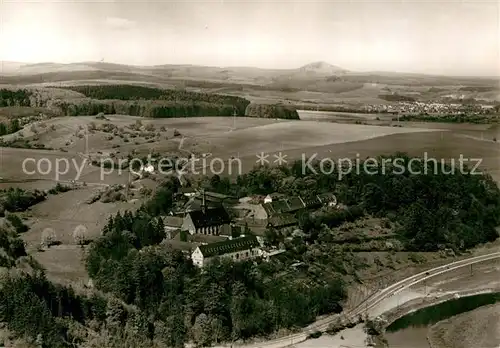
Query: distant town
[435, 108]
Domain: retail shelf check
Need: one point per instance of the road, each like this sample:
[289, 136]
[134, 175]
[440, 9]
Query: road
[371, 302]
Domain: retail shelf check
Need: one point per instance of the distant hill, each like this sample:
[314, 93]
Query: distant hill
[7, 67]
[322, 68]
[317, 76]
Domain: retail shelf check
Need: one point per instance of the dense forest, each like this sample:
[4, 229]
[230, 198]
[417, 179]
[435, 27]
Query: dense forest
[17, 200]
[15, 97]
[140, 101]
[9, 127]
[144, 108]
[271, 111]
[440, 208]
[175, 97]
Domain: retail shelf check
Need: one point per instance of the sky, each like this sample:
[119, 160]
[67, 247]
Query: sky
[442, 37]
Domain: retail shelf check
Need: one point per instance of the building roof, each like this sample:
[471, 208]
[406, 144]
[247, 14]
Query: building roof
[295, 203]
[312, 201]
[280, 206]
[195, 204]
[327, 197]
[215, 195]
[268, 208]
[283, 205]
[212, 217]
[282, 220]
[206, 238]
[172, 221]
[229, 246]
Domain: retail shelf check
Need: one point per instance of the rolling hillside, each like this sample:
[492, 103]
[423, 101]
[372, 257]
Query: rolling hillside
[334, 83]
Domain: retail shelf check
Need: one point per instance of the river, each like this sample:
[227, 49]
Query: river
[411, 331]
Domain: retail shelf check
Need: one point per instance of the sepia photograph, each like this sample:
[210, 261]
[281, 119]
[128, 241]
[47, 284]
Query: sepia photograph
[249, 173]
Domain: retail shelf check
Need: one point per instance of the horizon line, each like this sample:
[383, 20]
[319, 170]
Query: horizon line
[341, 69]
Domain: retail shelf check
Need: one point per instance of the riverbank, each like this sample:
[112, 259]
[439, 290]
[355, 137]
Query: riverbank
[477, 328]
[427, 322]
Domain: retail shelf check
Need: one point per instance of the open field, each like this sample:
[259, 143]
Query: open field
[444, 145]
[340, 117]
[252, 136]
[64, 264]
[205, 135]
[296, 135]
[57, 132]
[65, 211]
[79, 168]
[62, 213]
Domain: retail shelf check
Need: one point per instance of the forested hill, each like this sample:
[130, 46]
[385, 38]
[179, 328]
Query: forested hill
[137, 100]
[134, 92]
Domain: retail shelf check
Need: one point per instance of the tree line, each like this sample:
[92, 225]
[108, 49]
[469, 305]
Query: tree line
[17, 199]
[15, 97]
[145, 108]
[135, 92]
[10, 127]
[271, 111]
[142, 101]
[452, 118]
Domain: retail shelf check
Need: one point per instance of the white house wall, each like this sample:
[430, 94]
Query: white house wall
[197, 257]
[188, 225]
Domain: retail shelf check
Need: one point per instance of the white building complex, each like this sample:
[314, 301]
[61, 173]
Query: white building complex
[238, 249]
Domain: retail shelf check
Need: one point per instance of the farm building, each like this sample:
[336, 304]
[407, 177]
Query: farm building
[312, 202]
[238, 249]
[273, 196]
[328, 199]
[172, 225]
[197, 200]
[217, 196]
[214, 221]
[282, 221]
[296, 203]
[195, 203]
